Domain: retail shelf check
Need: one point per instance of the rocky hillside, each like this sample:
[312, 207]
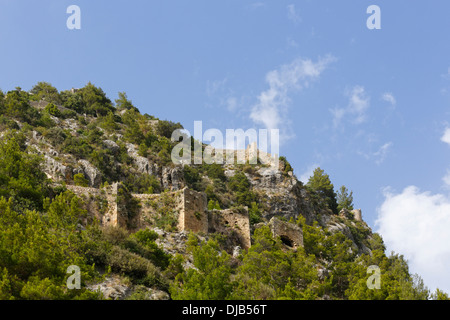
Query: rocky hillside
[89, 182]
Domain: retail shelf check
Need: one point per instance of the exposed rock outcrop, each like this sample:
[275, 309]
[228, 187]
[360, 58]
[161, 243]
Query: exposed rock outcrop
[93, 175]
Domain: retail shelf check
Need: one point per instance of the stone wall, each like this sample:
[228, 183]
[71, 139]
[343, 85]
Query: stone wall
[193, 215]
[357, 214]
[190, 207]
[234, 224]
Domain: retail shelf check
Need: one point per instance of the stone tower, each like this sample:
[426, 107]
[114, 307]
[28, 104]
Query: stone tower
[357, 214]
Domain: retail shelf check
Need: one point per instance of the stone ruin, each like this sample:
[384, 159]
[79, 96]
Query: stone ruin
[193, 215]
[190, 205]
[250, 154]
[352, 214]
[290, 234]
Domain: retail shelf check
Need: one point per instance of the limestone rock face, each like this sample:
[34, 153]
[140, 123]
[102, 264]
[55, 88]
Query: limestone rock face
[142, 163]
[155, 294]
[177, 176]
[172, 242]
[115, 288]
[111, 145]
[92, 173]
[171, 178]
[112, 288]
[54, 169]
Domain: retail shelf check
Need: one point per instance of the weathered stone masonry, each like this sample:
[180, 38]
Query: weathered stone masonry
[191, 206]
[193, 215]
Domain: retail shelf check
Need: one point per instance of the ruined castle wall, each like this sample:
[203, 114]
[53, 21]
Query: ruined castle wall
[233, 223]
[188, 206]
[193, 214]
[107, 216]
[149, 206]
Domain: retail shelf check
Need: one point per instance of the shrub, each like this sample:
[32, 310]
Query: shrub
[45, 91]
[241, 186]
[53, 110]
[165, 128]
[214, 171]
[80, 180]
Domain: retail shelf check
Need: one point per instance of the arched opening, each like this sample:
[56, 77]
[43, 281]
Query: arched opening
[287, 241]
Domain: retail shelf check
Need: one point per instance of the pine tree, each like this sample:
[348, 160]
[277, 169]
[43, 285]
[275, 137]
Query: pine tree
[320, 182]
[344, 199]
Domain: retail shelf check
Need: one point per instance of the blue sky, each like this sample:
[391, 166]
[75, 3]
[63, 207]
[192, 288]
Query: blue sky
[370, 107]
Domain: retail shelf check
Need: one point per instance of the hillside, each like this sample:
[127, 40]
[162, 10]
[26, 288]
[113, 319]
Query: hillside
[88, 182]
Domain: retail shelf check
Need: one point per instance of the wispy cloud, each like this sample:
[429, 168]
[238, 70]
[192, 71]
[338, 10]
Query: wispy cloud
[446, 136]
[256, 5]
[292, 14]
[356, 109]
[378, 156]
[214, 86]
[446, 179]
[381, 154]
[359, 102]
[389, 97]
[271, 107]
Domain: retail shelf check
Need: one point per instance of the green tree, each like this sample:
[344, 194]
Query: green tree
[165, 128]
[109, 122]
[73, 101]
[269, 272]
[21, 179]
[36, 249]
[241, 187]
[254, 213]
[17, 106]
[440, 295]
[320, 183]
[213, 205]
[52, 110]
[95, 100]
[122, 103]
[214, 171]
[45, 91]
[344, 199]
[211, 278]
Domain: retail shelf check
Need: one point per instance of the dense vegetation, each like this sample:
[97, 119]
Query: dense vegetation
[44, 228]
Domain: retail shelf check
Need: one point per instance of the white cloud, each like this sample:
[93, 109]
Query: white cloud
[446, 136]
[416, 224]
[270, 110]
[356, 109]
[389, 97]
[293, 15]
[358, 104]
